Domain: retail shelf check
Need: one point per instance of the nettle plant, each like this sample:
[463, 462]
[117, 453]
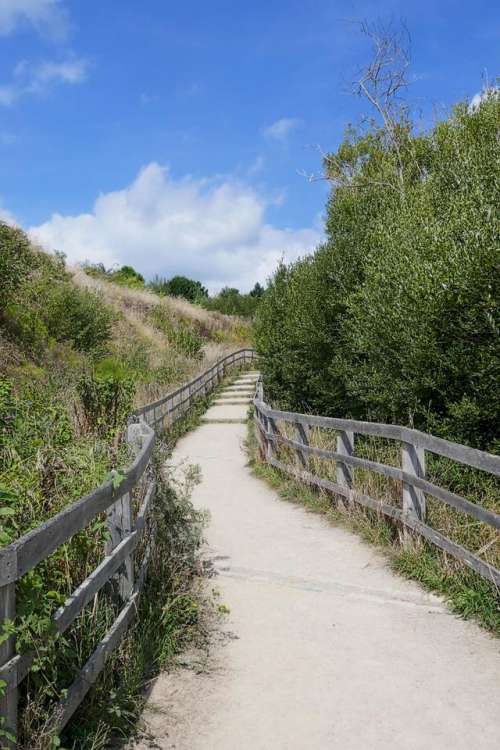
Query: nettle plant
[107, 395]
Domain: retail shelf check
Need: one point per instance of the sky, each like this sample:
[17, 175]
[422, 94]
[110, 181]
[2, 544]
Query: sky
[176, 136]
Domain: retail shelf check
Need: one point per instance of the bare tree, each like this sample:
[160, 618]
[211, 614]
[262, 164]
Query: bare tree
[381, 82]
[384, 79]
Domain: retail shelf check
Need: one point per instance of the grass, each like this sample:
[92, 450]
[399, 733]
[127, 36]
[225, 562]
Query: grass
[171, 615]
[76, 355]
[466, 593]
[174, 612]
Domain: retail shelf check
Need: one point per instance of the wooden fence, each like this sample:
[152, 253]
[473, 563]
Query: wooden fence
[118, 564]
[414, 444]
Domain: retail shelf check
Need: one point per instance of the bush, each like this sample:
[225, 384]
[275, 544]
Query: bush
[127, 276]
[397, 316]
[230, 301]
[185, 337]
[39, 302]
[179, 286]
[124, 276]
[16, 260]
[107, 394]
[78, 316]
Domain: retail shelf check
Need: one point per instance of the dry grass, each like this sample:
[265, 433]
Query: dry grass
[141, 342]
[473, 484]
[137, 303]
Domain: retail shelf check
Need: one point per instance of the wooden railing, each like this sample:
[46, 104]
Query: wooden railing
[167, 409]
[415, 486]
[124, 532]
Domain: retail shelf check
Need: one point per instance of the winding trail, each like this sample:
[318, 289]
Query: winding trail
[324, 646]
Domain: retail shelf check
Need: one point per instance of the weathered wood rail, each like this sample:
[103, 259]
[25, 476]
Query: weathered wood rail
[117, 565]
[414, 444]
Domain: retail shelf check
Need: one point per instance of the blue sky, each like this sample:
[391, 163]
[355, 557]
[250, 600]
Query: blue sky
[172, 135]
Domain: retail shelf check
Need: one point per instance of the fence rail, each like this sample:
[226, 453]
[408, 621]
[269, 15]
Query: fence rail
[414, 444]
[125, 532]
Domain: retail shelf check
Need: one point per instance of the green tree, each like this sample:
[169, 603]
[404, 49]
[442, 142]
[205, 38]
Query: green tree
[397, 316]
[257, 291]
[179, 286]
[127, 276]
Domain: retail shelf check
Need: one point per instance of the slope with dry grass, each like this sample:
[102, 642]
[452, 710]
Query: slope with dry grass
[167, 340]
[76, 355]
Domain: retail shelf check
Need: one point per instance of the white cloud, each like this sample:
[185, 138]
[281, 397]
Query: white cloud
[47, 16]
[7, 217]
[212, 230]
[256, 166]
[489, 92]
[69, 71]
[39, 79]
[281, 129]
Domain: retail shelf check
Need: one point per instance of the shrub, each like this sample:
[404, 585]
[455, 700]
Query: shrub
[78, 316]
[127, 276]
[397, 316]
[17, 259]
[230, 301]
[187, 339]
[124, 276]
[107, 394]
[179, 286]
[182, 335]
[39, 302]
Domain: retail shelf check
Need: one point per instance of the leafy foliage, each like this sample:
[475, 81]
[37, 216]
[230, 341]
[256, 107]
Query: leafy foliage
[184, 336]
[124, 276]
[107, 395]
[15, 256]
[397, 316]
[70, 364]
[230, 301]
[179, 286]
[41, 305]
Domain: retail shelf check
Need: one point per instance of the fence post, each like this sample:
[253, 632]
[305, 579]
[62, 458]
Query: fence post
[413, 462]
[303, 435]
[8, 704]
[271, 444]
[120, 522]
[262, 442]
[345, 446]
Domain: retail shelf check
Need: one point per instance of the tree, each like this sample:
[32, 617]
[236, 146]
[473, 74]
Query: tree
[397, 317]
[182, 286]
[127, 276]
[257, 291]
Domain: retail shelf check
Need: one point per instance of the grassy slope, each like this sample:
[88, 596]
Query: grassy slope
[148, 331]
[60, 329]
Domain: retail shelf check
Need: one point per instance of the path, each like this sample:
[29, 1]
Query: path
[325, 647]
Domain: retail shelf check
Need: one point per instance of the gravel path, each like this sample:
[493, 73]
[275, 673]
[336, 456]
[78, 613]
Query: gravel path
[324, 646]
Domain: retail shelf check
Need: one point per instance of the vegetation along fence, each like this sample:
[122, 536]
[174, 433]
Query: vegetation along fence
[274, 428]
[125, 531]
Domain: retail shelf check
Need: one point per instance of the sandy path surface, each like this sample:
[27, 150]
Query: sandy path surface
[324, 646]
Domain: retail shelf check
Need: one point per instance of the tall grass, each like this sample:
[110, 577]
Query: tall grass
[60, 377]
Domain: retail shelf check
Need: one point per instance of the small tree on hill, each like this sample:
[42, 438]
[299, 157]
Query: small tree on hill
[182, 286]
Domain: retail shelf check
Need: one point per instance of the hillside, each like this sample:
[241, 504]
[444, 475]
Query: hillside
[76, 355]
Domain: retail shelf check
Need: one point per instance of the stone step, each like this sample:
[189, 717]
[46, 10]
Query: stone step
[226, 401]
[222, 420]
[239, 389]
